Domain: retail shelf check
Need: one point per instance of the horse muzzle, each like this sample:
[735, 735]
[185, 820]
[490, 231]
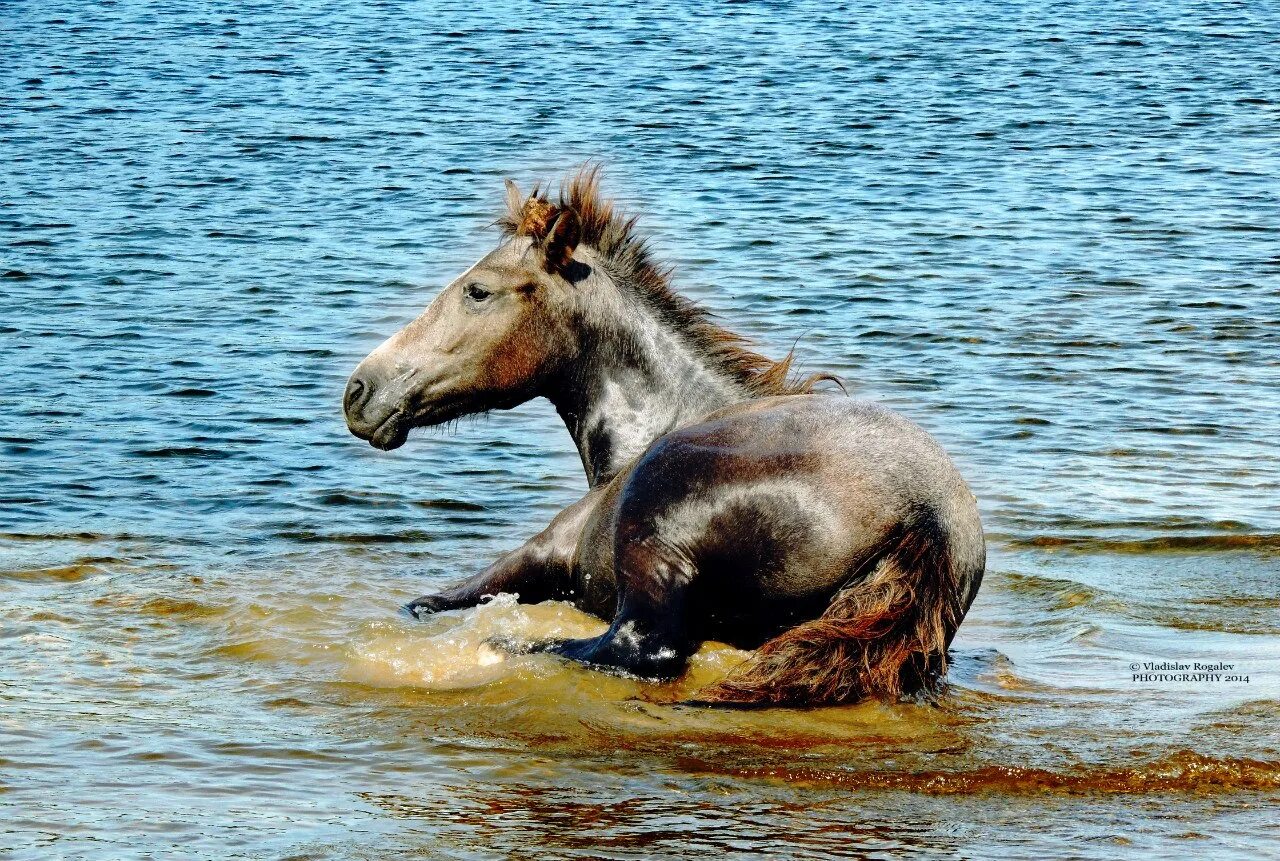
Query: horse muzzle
[384, 425]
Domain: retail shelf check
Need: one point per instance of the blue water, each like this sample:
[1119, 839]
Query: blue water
[1050, 234]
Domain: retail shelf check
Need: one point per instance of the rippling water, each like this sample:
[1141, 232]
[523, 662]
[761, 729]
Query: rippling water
[1049, 235]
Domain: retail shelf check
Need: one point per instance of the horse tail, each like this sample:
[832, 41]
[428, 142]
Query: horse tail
[882, 636]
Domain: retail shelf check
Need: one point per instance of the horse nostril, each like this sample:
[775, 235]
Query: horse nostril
[355, 395]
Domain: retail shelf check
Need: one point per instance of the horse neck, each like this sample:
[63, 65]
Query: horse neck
[636, 380]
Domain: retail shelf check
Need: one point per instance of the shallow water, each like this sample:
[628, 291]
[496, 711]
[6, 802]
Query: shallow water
[1050, 237]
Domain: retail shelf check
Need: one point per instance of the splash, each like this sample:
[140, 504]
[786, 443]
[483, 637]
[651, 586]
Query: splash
[455, 650]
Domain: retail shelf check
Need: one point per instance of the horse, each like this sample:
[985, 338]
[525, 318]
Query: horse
[728, 501]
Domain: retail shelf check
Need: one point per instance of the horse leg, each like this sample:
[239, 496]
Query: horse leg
[536, 571]
[521, 571]
[647, 637]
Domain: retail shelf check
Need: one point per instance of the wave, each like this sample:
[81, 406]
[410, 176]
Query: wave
[1257, 542]
[1183, 771]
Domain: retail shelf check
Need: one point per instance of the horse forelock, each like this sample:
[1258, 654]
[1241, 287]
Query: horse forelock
[613, 236]
[535, 216]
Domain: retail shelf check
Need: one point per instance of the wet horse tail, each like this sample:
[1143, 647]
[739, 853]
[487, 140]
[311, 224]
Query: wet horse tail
[885, 634]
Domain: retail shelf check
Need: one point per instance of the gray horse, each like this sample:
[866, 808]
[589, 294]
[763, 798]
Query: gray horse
[727, 501]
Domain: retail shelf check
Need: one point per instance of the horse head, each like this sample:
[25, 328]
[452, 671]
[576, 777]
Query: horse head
[491, 339]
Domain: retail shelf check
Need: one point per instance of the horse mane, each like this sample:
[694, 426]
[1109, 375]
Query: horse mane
[612, 234]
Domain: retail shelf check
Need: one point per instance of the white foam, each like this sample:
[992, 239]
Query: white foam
[451, 651]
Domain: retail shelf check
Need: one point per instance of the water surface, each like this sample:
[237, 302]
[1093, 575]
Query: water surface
[1047, 235]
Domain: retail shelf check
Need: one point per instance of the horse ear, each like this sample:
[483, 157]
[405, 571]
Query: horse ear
[515, 200]
[562, 238]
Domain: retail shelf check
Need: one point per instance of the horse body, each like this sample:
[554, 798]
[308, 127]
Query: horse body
[834, 536]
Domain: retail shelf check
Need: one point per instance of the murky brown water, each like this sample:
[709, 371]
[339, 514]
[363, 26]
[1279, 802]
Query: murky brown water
[1050, 239]
[237, 711]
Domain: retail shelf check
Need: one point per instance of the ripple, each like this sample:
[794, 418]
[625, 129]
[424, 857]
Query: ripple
[1164, 544]
[1180, 772]
[1040, 237]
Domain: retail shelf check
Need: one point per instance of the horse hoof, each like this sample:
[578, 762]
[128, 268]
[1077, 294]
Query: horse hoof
[424, 606]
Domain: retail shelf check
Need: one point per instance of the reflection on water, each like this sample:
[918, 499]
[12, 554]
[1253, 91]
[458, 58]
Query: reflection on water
[1049, 238]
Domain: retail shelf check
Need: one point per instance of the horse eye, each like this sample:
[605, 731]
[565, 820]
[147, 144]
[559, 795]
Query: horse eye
[476, 293]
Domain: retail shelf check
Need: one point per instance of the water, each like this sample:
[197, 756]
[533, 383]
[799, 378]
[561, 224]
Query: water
[1048, 234]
